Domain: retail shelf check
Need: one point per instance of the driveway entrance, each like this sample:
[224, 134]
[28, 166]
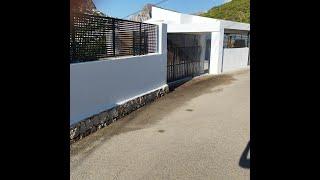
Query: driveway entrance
[186, 54]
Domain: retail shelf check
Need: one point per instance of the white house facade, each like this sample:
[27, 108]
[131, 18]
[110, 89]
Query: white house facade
[226, 42]
[118, 66]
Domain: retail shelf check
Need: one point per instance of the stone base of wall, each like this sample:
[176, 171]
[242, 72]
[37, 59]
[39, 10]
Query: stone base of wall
[98, 121]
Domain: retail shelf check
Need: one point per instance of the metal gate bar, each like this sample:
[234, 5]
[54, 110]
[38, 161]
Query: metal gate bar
[184, 62]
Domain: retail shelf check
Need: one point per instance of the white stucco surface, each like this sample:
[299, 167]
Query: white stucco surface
[235, 58]
[99, 85]
[185, 23]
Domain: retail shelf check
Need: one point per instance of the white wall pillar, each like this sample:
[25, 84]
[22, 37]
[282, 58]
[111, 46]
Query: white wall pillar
[162, 38]
[162, 47]
[216, 52]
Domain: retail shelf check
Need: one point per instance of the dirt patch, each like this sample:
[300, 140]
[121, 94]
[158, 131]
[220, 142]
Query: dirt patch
[161, 131]
[153, 112]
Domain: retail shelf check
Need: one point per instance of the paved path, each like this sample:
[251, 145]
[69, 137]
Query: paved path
[199, 131]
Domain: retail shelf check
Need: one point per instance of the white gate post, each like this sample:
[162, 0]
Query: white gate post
[216, 52]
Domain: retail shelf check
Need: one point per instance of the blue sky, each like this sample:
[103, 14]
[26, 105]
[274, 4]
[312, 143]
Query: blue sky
[122, 8]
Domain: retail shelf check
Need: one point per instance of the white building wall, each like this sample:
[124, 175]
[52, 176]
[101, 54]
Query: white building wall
[234, 25]
[221, 49]
[216, 51]
[168, 17]
[235, 58]
[192, 19]
[195, 28]
[99, 85]
[185, 23]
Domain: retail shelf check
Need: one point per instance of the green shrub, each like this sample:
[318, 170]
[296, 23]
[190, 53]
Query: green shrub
[236, 10]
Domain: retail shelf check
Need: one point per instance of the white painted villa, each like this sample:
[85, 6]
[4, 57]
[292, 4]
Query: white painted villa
[224, 44]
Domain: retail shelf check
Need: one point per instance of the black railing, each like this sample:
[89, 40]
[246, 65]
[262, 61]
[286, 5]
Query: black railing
[184, 62]
[95, 37]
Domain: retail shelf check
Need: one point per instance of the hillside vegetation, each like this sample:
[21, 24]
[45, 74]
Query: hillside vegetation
[236, 10]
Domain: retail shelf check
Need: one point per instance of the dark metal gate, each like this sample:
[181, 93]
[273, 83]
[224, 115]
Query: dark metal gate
[184, 62]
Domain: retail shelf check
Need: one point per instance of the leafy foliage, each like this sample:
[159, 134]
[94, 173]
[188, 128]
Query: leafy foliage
[236, 10]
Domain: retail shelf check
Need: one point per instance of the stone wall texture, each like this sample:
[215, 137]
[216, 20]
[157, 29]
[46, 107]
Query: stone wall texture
[98, 121]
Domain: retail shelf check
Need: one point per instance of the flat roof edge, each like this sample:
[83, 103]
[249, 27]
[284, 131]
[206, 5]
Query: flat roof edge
[222, 21]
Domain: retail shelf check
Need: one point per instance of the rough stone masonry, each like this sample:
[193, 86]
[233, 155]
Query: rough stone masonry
[98, 121]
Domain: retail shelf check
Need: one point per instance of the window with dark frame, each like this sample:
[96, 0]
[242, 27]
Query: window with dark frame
[236, 40]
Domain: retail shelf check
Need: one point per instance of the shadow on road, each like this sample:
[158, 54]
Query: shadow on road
[176, 84]
[244, 160]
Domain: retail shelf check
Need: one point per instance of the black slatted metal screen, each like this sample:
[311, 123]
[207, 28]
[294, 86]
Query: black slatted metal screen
[184, 63]
[183, 58]
[94, 37]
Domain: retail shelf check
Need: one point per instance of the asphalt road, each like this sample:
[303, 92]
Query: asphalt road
[199, 131]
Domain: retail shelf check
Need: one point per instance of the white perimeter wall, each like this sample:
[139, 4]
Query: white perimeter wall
[235, 58]
[99, 85]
